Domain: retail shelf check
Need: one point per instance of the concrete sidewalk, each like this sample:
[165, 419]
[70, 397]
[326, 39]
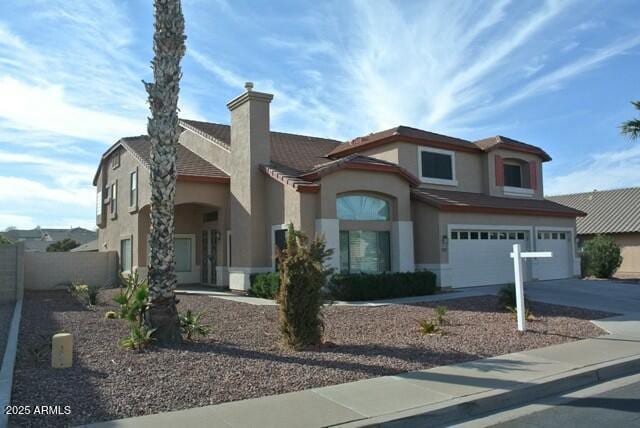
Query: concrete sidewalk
[435, 396]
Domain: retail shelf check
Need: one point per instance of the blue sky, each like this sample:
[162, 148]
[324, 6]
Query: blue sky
[558, 74]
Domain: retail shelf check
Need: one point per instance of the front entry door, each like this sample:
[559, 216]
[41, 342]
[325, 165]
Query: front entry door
[209, 245]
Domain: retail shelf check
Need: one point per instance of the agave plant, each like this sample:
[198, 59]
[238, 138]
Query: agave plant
[139, 337]
[192, 326]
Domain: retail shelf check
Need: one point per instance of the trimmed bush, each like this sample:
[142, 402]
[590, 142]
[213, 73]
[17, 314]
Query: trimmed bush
[265, 285]
[364, 286]
[601, 257]
[302, 276]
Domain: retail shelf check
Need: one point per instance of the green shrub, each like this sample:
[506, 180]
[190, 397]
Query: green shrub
[140, 337]
[265, 285]
[302, 276]
[5, 241]
[65, 245]
[87, 293]
[441, 311]
[132, 298]
[363, 286]
[191, 325]
[427, 327]
[507, 299]
[601, 256]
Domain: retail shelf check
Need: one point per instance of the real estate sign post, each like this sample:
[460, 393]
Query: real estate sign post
[517, 256]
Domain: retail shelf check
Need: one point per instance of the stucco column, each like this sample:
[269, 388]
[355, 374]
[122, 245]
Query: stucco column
[402, 259]
[330, 229]
[250, 148]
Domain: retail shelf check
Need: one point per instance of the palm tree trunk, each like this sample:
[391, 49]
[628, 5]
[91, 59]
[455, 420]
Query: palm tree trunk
[168, 47]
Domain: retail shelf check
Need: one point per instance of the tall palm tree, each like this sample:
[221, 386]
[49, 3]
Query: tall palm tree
[168, 48]
[631, 128]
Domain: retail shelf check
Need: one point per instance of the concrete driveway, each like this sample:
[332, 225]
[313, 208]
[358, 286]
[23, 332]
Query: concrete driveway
[609, 296]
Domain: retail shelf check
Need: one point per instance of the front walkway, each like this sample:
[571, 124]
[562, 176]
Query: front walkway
[442, 394]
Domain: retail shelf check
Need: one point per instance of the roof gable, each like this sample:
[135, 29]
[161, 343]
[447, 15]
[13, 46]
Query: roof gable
[190, 166]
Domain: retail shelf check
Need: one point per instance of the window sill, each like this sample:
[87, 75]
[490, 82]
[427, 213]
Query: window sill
[113, 216]
[441, 181]
[133, 209]
[518, 191]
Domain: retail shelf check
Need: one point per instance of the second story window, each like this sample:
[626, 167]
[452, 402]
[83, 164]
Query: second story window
[113, 203]
[437, 166]
[133, 189]
[115, 160]
[513, 175]
[99, 203]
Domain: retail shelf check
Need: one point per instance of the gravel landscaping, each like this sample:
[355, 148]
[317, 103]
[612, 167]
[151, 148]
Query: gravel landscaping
[242, 359]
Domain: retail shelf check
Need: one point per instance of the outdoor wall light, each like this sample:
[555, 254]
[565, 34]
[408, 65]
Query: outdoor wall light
[217, 235]
[445, 240]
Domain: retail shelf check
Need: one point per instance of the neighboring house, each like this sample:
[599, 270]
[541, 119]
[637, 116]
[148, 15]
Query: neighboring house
[611, 212]
[396, 200]
[90, 246]
[38, 239]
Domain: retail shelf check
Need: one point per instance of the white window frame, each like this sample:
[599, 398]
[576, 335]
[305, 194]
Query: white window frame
[99, 204]
[518, 191]
[441, 181]
[130, 239]
[113, 200]
[133, 187]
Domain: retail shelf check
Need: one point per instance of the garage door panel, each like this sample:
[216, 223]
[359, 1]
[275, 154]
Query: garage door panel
[482, 257]
[560, 265]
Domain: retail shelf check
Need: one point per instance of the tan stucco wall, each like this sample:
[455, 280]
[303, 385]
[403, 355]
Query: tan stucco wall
[469, 166]
[206, 149]
[250, 148]
[391, 186]
[426, 233]
[125, 224]
[44, 271]
[630, 248]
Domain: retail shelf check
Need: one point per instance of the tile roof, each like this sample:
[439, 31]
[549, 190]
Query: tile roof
[447, 200]
[189, 164]
[401, 132]
[491, 143]
[294, 151]
[357, 161]
[608, 211]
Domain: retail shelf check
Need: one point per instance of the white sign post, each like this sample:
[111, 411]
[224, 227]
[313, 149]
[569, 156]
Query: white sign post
[517, 256]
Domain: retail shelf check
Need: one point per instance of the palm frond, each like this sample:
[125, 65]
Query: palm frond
[631, 128]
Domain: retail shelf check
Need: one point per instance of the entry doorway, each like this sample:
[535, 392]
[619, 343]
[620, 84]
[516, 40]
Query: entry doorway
[209, 245]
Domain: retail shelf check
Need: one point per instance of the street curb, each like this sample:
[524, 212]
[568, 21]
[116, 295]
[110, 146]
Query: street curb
[459, 409]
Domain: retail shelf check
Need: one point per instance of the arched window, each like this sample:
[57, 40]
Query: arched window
[361, 207]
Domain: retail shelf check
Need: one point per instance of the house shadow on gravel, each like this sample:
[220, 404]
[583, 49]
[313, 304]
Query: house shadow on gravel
[339, 357]
[37, 384]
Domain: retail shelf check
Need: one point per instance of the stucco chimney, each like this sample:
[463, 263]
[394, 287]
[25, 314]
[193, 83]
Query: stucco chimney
[250, 148]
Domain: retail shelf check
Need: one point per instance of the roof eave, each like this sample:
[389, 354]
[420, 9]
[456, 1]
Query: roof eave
[340, 152]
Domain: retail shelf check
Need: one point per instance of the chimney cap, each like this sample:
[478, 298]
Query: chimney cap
[248, 86]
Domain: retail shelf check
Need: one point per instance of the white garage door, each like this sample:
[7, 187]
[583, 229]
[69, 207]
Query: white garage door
[561, 264]
[481, 257]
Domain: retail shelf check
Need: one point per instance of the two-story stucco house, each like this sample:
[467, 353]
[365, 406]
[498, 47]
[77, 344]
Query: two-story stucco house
[397, 200]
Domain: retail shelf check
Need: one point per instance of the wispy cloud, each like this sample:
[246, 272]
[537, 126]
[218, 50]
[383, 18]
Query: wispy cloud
[602, 171]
